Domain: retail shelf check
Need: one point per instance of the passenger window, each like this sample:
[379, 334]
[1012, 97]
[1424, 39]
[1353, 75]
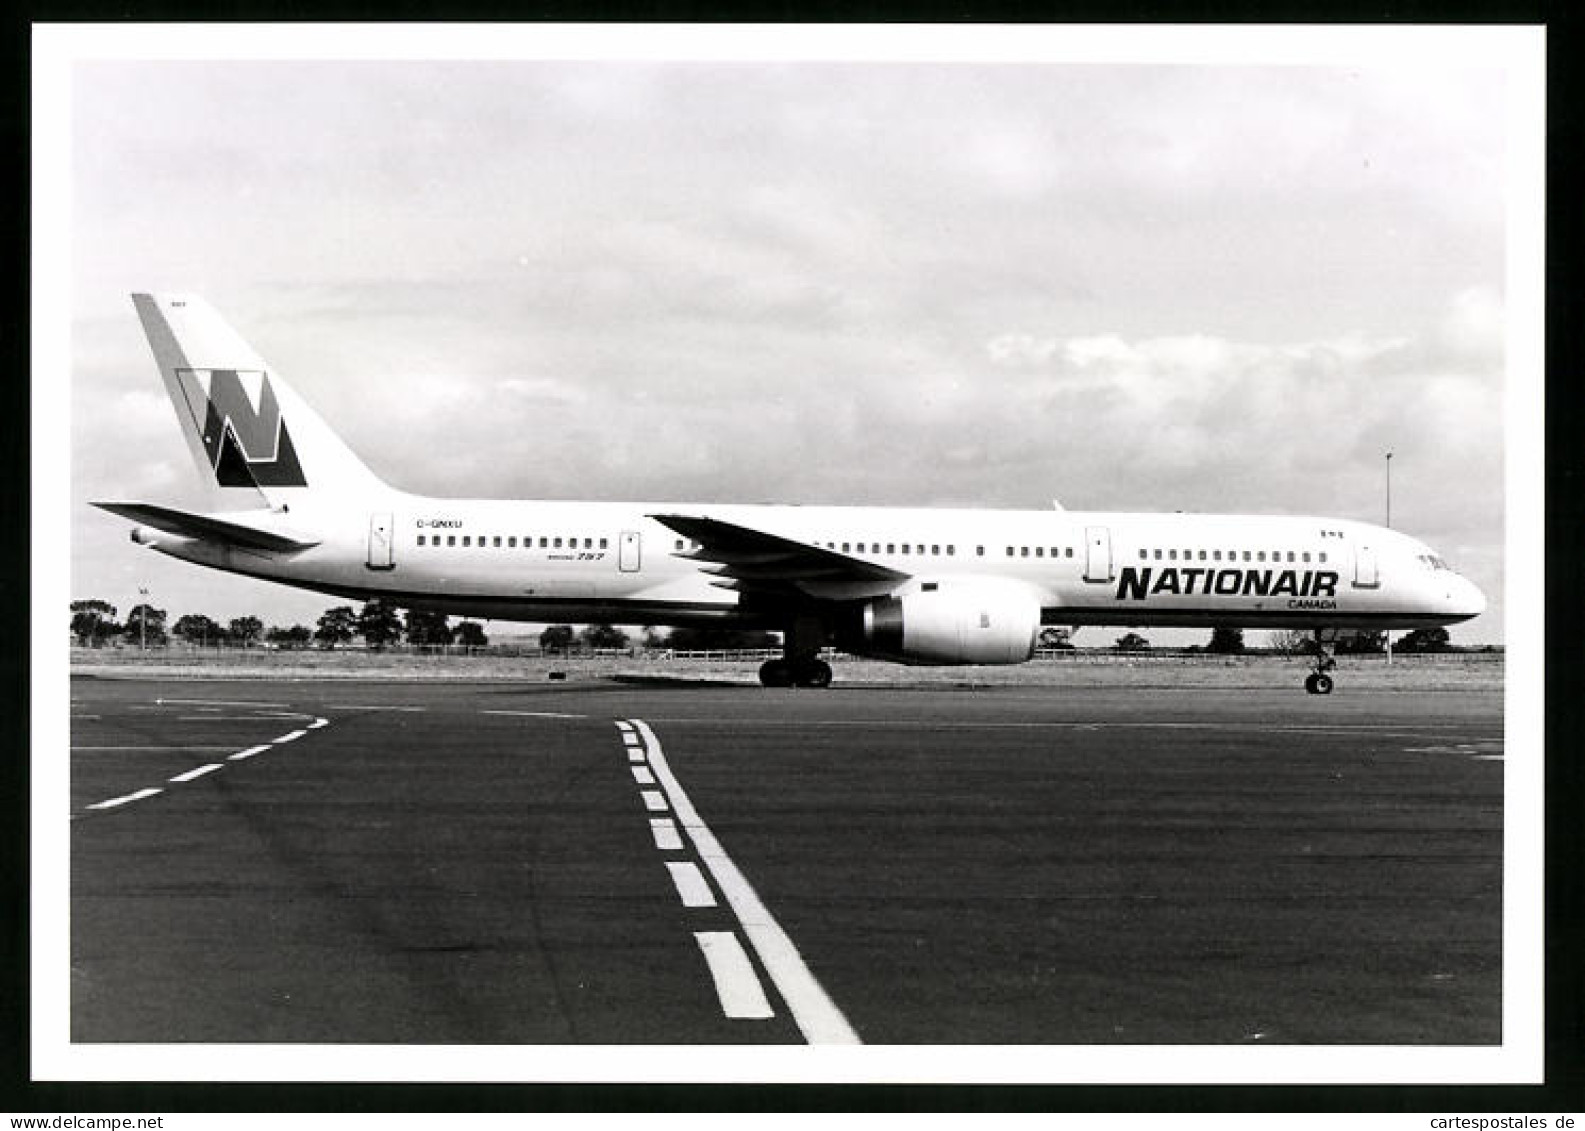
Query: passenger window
[497, 540]
[543, 542]
[1246, 555]
[1202, 555]
[467, 539]
[1070, 551]
[1261, 556]
[1009, 551]
[1023, 551]
[420, 539]
[951, 551]
[1172, 555]
[588, 543]
[979, 551]
[1323, 555]
[1306, 555]
[1040, 551]
[905, 547]
[1158, 555]
[558, 543]
[605, 544]
[451, 539]
[936, 550]
[891, 547]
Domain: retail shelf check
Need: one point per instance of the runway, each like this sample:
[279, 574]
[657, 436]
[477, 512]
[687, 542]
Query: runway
[607, 863]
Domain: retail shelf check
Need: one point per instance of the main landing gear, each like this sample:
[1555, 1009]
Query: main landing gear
[800, 664]
[1318, 682]
[801, 671]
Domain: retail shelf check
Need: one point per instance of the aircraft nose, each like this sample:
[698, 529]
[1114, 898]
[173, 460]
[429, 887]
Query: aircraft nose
[1464, 599]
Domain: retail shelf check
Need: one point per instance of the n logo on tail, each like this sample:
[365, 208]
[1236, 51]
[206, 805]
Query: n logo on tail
[241, 426]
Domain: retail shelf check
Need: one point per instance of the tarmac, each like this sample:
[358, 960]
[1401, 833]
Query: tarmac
[606, 862]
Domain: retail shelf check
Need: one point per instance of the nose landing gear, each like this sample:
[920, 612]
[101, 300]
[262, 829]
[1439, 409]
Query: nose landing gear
[1318, 682]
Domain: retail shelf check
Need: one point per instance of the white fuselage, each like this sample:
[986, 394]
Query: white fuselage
[589, 561]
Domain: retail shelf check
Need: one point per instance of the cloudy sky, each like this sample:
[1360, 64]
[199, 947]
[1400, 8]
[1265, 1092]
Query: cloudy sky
[1152, 287]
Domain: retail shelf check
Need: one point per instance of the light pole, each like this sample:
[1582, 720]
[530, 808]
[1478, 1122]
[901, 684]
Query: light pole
[1389, 526]
[1389, 490]
[143, 620]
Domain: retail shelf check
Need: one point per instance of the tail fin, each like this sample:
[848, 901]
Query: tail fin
[249, 432]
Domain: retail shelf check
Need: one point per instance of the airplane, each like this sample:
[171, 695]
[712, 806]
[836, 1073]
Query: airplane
[295, 505]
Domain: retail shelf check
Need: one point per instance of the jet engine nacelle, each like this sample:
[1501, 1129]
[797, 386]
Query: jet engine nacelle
[952, 621]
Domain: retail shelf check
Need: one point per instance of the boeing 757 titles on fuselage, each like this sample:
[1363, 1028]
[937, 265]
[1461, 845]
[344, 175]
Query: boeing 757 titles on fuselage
[920, 586]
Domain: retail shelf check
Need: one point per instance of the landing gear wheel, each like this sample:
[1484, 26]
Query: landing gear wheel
[811, 673]
[1318, 684]
[776, 673]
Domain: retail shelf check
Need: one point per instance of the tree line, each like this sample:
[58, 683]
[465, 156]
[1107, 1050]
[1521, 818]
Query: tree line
[379, 624]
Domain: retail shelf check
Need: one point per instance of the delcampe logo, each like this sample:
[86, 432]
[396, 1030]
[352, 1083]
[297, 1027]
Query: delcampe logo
[241, 426]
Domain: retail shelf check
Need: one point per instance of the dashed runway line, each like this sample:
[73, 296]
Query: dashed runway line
[115, 802]
[737, 985]
[207, 768]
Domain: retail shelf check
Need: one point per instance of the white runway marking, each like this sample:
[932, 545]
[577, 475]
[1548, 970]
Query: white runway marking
[653, 801]
[642, 775]
[691, 888]
[816, 1015]
[248, 753]
[537, 714]
[317, 723]
[635, 754]
[184, 746]
[115, 801]
[664, 829]
[198, 773]
[736, 984]
[293, 736]
[221, 702]
[369, 707]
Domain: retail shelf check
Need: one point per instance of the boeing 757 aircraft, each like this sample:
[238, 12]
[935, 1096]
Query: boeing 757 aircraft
[920, 586]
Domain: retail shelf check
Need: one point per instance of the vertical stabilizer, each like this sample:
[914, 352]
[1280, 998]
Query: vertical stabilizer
[249, 432]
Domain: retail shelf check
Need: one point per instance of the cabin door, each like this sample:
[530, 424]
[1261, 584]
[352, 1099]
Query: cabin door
[629, 549]
[1098, 553]
[1366, 574]
[380, 541]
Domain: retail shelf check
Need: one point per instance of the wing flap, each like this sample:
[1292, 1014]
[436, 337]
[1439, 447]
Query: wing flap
[210, 527]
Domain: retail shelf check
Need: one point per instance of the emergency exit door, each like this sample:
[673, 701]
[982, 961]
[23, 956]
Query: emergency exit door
[380, 526]
[629, 548]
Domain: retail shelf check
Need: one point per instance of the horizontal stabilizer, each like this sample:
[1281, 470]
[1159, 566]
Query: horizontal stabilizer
[210, 527]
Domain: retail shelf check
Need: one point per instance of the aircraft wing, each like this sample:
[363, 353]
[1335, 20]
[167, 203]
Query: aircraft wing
[213, 528]
[757, 563]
